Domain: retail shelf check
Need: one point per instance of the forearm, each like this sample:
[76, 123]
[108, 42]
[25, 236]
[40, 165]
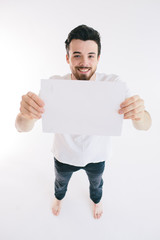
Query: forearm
[143, 124]
[23, 124]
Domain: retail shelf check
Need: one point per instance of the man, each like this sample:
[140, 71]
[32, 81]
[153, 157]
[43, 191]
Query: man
[74, 152]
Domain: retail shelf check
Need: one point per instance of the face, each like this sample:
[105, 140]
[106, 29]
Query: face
[83, 59]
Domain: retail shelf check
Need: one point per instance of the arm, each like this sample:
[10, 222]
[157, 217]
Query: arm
[31, 109]
[133, 108]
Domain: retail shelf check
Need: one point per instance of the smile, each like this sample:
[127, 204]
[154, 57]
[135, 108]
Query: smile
[84, 70]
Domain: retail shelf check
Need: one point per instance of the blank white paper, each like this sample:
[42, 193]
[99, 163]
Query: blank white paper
[82, 107]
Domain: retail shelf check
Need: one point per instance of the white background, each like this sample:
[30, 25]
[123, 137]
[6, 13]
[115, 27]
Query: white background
[32, 35]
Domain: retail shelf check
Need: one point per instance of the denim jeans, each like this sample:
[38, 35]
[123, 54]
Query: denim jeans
[63, 173]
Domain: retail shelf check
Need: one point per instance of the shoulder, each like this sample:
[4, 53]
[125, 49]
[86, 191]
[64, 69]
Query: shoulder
[107, 77]
[56, 77]
[114, 78]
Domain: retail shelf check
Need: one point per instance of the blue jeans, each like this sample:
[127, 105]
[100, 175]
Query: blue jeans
[63, 173]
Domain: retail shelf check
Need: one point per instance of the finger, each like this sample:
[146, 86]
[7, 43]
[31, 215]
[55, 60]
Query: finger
[133, 118]
[132, 114]
[28, 114]
[132, 106]
[129, 100]
[30, 109]
[28, 100]
[36, 99]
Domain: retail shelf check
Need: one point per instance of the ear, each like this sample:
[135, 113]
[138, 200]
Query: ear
[98, 58]
[67, 58]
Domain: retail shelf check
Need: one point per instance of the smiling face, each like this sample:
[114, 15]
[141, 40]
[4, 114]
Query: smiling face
[83, 59]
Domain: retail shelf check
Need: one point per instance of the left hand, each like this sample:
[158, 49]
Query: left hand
[133, 108]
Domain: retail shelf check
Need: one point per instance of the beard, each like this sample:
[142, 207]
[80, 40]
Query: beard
[82, 76]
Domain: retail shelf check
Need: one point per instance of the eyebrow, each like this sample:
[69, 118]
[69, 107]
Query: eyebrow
[80, 52]
[76, 52]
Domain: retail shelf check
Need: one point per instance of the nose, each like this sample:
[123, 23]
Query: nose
[84, 62]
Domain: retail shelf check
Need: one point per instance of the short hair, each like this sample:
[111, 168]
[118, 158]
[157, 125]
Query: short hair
[84, 33]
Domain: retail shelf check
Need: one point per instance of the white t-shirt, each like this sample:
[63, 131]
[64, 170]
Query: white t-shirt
[79, 150]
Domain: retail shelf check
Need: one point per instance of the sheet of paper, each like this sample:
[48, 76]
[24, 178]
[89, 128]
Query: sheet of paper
[82, 107]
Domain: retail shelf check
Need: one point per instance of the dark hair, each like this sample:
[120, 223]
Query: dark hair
[84, 33]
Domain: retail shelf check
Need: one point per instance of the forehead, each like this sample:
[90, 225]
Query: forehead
[83, 46]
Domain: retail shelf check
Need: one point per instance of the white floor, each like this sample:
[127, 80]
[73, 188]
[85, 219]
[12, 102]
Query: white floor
[131, 195]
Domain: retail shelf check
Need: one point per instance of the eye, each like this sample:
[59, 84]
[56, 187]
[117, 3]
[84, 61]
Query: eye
[76, 56]
[91, 56]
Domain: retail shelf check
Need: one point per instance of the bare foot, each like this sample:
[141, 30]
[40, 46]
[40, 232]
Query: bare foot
[97, 210]
[56, 206]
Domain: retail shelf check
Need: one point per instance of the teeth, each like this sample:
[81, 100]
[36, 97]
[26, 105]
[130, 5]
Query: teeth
[83, 69]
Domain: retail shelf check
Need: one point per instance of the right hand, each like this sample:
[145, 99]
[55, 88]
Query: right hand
[31, 106]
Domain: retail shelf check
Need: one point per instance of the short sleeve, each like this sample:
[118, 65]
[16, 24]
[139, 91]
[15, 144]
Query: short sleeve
[128, 91]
